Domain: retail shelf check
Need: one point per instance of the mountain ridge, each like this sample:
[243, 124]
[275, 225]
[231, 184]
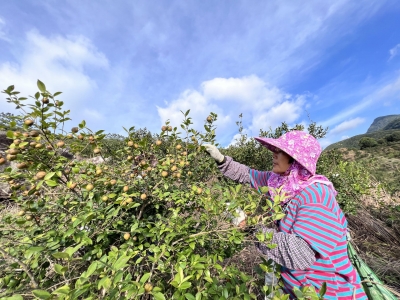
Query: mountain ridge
[380, 123]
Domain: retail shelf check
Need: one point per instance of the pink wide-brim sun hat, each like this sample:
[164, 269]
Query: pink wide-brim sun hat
[303, 147]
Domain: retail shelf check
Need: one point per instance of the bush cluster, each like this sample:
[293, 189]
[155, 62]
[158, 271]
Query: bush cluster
[147, 221]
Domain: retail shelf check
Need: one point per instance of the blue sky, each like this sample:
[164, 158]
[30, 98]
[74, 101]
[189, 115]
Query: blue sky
[138, 63]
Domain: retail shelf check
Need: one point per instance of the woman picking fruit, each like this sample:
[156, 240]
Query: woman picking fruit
[311, 238]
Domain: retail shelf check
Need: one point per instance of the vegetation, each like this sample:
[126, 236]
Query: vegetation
[353, 142]
[395, 124]
[367, 142]
[149, 221]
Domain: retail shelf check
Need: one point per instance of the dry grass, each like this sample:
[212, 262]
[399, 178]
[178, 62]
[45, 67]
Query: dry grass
[7, 207]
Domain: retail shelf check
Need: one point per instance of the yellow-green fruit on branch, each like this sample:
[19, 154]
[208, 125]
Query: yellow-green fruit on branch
[127, 236]
[11, 157]
[22, 165]
[28, 122]
[89, 187]
[40, 175]
[148, 287]
[34, 133]
[13, 151]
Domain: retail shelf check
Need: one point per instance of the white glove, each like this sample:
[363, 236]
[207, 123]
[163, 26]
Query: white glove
[214, 152]
[239, 219]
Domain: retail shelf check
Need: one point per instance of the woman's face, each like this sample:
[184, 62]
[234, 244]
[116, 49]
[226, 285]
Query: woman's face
[280, 162]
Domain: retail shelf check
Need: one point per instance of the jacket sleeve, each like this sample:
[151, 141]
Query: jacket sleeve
[291, 252]
[234, 170]
[243, 174]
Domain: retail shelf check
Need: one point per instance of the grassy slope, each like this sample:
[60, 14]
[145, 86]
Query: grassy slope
[383, 162]
[352, 143]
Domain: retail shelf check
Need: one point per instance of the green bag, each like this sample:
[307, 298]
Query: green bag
[373, 287]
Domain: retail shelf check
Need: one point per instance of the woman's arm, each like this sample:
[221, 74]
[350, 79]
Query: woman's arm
[291, 251]
[243, 174]
[234, 170]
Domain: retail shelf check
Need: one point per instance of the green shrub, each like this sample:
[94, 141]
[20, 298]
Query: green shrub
[145, 224]
[393, 137]
[367, 142]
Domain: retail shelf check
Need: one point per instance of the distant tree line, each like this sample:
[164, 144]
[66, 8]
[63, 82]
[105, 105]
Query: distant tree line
[369, 142]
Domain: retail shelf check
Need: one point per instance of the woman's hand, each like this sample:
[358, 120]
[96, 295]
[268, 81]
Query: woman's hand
[214, 153]
[240, 219]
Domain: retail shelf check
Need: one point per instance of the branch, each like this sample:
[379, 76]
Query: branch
[23, 266]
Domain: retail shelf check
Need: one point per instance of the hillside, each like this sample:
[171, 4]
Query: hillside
[395, 124]
[352, 143]
[381, 122]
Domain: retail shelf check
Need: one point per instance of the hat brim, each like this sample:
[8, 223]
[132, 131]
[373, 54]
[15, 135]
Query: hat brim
[272, 144]
[277, 144]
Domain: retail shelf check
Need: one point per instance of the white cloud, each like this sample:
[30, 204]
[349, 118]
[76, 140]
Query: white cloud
[344, 137]
[262, 106]
[61, 63]
[394, 51]
[389, 91]
[3, 35]
[347, 125]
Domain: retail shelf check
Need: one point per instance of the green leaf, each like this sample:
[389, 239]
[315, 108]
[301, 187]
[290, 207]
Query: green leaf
[91, 269]
[279, 216]
[51, 183]
[121, 262]
[10, 134]
[14, 297]
[41, 294]
[10, 88]
[71, 250]
[35, 249]
[64, 290]
[322, 291]
[57, 93]
[184, 285]
[60, 269]
[189, 296]
[158, 296]
[49, 175]
[60, 255]
[145, 277]
[298, 293]
[41, 86]
[105, 282]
